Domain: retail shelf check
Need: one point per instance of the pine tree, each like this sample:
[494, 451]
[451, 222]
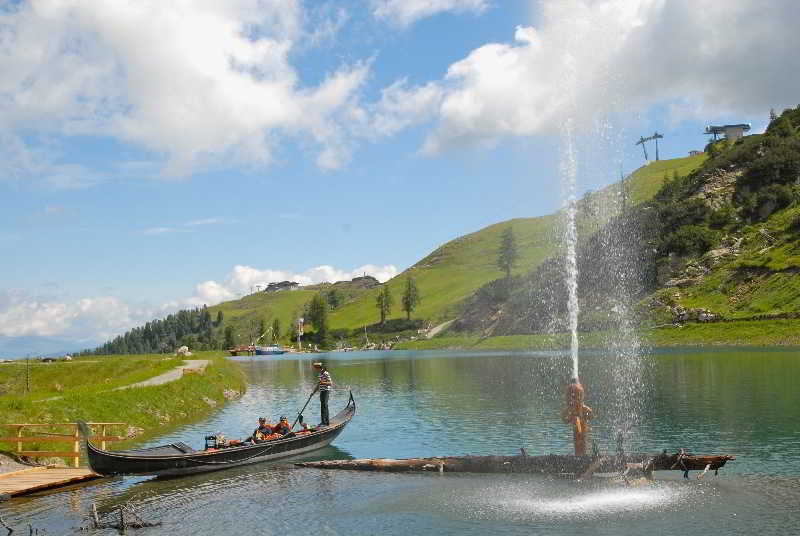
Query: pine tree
[384, 303]
[410, 296]
[276, 329]
[508, 254]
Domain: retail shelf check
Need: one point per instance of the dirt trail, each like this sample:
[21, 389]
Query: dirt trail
[169, 376]
[432, 333]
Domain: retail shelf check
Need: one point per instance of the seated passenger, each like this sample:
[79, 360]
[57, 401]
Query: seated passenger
[282, 427]
[264, 429]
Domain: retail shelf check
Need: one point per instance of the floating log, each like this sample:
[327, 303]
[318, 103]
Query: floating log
[549, 464]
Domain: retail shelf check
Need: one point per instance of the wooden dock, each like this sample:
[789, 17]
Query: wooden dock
[41, 478]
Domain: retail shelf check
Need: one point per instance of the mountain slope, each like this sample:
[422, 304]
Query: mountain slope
[446, 278]
[721, 243]
[454, 271]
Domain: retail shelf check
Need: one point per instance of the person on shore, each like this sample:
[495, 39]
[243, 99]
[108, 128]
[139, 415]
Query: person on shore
[324, 385]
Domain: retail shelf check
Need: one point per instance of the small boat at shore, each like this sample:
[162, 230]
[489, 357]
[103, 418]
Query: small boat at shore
[180, 459]
[272, 349]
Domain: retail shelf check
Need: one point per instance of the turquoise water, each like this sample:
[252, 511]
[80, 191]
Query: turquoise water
[742, 402]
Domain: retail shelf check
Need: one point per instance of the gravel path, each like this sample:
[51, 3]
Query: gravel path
[170, 376]
[432, 333]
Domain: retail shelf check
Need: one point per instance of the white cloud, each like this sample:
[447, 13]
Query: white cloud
[401, 107]
[19, 161]
[104, 317]
[88, 318]
[209, 293]
[159, 230]
[702, 58]
[204, 221]
[243, 279]
[406, 12]
[198, 82]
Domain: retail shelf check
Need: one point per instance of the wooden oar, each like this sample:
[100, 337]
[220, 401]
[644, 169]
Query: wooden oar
[304, 408]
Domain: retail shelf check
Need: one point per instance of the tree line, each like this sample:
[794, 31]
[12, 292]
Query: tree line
[190, 327]
[196, 329]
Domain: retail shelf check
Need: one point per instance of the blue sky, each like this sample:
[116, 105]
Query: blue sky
[156, 156]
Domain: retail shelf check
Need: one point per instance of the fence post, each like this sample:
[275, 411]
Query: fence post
[77, 448]
[19, 434]
[103, 434]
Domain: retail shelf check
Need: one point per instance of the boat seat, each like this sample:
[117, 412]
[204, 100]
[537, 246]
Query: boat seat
[183, 447]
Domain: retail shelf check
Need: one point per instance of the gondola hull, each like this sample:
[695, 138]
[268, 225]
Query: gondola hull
[179, 459]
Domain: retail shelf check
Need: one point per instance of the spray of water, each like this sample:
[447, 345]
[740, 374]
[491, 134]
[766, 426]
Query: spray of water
[569, 171]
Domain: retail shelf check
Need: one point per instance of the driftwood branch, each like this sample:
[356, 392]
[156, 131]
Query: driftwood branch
[549, 464]
[128, 519]
[9, 529]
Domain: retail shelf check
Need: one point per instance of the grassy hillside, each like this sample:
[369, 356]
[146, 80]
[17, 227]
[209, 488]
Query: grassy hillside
[457, 269]
[718, 245]
[779, 332]
[741, 259]
[64, 392]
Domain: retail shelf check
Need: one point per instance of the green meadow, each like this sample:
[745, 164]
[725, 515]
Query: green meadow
[82, 389]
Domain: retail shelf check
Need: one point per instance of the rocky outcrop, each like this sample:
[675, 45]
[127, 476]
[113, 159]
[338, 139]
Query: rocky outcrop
[717, 190]
[697, 314]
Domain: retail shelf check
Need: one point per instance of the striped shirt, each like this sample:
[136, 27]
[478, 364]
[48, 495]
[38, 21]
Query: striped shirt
[325, 381]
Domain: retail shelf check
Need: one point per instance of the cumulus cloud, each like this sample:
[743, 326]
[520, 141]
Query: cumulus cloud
[196, 82]
[701, 58]
[406, 12]
[209, 293]
[401, 106]
[85, 319]
[244, 279]
[104, 317]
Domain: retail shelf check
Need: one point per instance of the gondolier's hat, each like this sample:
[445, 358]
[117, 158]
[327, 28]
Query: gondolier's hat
[317, 365]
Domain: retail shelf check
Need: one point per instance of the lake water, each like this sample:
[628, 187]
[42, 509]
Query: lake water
[743, 402]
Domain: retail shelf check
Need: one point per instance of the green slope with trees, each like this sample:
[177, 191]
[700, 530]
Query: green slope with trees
[444, 279]
[718, 247]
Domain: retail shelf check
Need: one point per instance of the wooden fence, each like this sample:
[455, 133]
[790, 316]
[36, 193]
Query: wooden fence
[56, 437]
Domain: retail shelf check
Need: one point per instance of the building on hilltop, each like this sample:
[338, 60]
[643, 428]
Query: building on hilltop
[282, 285]
[366, 281]
[695, 152]
[731, 132]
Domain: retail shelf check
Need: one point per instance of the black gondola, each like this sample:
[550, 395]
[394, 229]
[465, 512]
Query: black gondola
[180, 459]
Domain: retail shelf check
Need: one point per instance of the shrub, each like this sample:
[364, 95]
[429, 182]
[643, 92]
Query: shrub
[687, 212]
[721, 217]
[689, 239]
[762, 204]
[794, 225]
[779, 164]
[781, 127]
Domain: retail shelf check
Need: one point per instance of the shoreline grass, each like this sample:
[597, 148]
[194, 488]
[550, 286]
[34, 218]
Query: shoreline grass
[155, 410]
[777, 332]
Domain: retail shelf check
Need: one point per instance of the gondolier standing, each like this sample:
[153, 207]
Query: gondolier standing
[325, 384]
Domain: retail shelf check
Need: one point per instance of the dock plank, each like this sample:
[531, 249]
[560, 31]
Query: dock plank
[40, 478]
